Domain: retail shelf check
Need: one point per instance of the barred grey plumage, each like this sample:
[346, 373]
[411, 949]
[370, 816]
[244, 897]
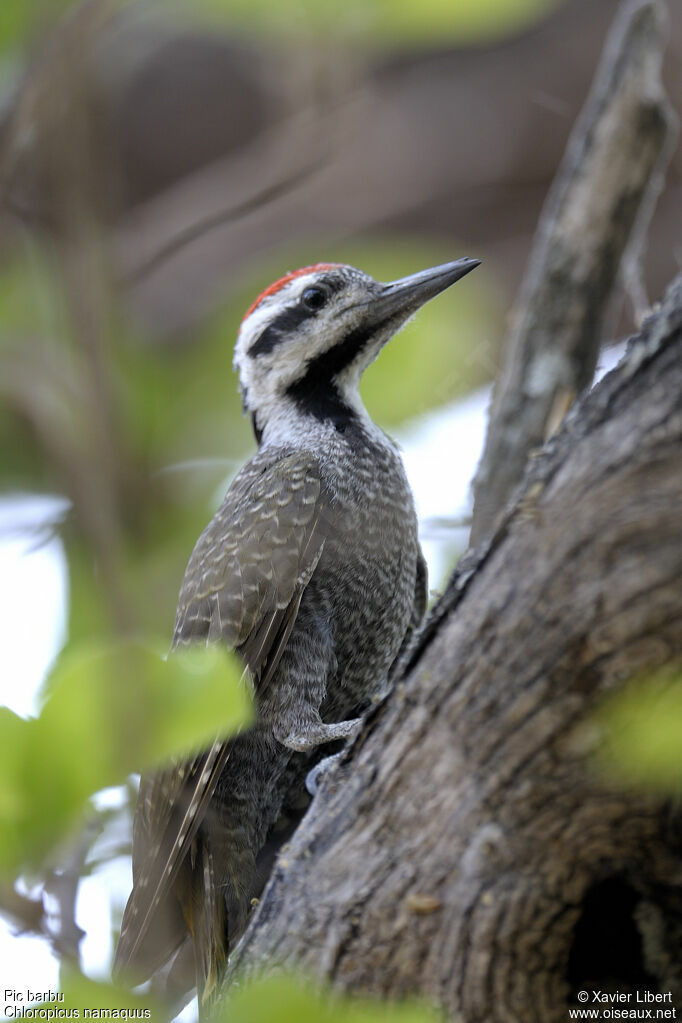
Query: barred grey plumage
[312, 571]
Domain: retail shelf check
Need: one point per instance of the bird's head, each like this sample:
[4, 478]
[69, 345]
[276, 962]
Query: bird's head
[307, 339]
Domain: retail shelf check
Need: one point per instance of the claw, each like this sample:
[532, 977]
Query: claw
[313, 777]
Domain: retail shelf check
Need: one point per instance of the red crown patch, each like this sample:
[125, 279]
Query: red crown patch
[276, 286]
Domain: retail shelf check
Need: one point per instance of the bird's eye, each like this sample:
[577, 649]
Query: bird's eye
[314, 298]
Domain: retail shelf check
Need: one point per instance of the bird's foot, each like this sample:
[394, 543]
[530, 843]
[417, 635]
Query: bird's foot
[317, 734]
[319, 771]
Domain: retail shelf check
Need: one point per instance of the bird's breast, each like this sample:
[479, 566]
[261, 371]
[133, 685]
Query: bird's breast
[366, 576]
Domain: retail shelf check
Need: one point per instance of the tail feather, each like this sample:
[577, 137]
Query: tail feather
[215, 914]
[210, 929]
[186, 792]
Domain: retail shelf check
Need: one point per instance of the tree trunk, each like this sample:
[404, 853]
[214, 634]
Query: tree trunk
[592, 229]
[467, 850]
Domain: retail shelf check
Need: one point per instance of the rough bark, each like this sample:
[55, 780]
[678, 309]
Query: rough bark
[596, 213]
[466, 850]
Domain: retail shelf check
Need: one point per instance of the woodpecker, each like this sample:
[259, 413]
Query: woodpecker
[311, 570]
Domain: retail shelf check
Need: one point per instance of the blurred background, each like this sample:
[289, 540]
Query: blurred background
[160, 164]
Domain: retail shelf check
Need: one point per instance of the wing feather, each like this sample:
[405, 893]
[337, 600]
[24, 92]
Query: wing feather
[243, 587]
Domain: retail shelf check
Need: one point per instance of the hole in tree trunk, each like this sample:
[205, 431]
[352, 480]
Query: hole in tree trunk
[607, 947]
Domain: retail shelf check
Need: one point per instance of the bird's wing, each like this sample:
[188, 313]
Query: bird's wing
[242, 587]
[418, 611]
[250, 562]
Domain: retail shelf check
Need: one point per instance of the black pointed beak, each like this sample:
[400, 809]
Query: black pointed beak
[405, 296]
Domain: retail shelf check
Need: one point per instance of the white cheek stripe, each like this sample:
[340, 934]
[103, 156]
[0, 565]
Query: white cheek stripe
[262, 379]
[253, 326]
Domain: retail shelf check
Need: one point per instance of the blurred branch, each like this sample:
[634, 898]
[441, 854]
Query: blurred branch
[57, 396]
[62, 885]
[46, 138]
[74, 862]
[63, 385]
[599, 204]
[220, 218]
[27, 913]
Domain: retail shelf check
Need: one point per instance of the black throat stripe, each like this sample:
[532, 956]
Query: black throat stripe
[317, 394]
[321, 371]
[257, 432]
[325, 404]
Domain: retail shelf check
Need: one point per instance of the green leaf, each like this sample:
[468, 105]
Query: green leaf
[14, 749]
[410, 24]
[288, 1000]
[131, 708]
[110, 710]
[103, 1001]
[15, 20]
[279, 999]
[642, 734]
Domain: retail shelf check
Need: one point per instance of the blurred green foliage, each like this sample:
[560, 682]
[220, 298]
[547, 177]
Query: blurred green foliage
[381, 22]
[641, 734]
[20, 19]
[98, 999]
[16, 20]
[285, 1000]
[109, 711]
[272, 1000]
[377, 22]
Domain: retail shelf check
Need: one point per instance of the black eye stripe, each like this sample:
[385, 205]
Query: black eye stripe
[291, 318]
[276, 331]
